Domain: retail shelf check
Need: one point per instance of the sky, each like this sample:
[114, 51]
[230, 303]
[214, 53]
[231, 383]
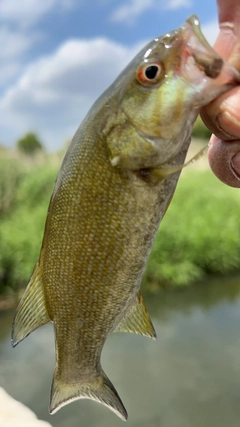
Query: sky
[58, 56]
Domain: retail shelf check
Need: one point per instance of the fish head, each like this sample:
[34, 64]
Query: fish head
[163, 88]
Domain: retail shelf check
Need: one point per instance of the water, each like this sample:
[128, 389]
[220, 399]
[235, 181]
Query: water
[189, 377]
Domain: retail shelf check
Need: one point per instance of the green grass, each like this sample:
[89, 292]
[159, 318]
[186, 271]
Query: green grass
[199, 235]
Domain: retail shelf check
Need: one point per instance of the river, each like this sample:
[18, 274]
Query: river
[189, 377]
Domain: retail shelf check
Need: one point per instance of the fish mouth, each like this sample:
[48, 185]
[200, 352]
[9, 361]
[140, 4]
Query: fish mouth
[199, 61]
[197, 49]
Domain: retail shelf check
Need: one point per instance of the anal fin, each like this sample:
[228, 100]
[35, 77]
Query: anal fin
[137, 319]
[31, 312]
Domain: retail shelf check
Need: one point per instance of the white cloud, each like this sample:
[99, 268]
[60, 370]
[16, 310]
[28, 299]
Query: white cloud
[8, 71]
[19, 32]
[177, 4]
[210, 31]
[130, 11]
[27, 12]
[54, 93]
[16, 44]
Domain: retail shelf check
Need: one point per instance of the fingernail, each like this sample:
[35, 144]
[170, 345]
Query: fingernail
[235, 162]
[229, 124]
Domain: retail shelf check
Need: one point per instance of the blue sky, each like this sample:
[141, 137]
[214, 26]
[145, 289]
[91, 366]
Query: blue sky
[57, 56]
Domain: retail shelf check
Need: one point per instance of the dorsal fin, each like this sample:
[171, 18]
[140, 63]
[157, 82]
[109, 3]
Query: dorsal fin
[31, 311]
[137, 319]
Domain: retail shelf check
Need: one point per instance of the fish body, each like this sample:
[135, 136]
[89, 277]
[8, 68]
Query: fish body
[111, 193]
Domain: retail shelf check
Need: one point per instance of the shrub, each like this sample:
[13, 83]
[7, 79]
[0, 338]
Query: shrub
[199, 235]
[22, 229]
[29, 144]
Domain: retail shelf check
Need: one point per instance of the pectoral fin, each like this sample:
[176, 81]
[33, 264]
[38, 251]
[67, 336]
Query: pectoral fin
[31, 312]
[137, 320]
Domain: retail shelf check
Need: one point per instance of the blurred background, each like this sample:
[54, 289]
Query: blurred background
[57, 57]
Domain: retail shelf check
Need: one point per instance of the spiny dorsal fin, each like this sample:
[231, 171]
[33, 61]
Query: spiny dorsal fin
[137, 320]
[31, 311]
[100, 389]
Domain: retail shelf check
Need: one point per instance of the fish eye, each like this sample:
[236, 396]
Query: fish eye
[149, 73]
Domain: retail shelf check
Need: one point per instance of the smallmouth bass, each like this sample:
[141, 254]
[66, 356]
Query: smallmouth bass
[114, 186]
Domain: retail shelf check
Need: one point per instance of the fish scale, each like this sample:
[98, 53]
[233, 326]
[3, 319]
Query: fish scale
[113, 188]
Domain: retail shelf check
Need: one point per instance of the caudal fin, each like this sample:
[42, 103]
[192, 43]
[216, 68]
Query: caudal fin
[101, 390]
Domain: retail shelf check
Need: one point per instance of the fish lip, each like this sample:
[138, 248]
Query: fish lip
[197, 47]
[196, 56]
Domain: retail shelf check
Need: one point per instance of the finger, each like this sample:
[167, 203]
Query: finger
[228, 40]
[228, 11]
[222, 116]
[225, 125]
[227, 44]
[224, 159]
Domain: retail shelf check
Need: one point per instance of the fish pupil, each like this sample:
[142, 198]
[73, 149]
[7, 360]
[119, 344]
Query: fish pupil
[144, 172]
[151, 72]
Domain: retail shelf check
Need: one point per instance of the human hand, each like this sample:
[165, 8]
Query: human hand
[222, 116]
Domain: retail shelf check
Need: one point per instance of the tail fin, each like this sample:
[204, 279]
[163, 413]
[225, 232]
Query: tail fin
[101, 390]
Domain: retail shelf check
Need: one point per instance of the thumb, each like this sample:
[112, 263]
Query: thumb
[224, 160]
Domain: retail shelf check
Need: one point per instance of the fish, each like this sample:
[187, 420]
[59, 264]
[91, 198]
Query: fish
[115, 184]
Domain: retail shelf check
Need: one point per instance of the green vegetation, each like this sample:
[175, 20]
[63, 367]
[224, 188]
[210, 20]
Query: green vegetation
[198, 237]
[29, 144]
[200, 234]
[200, 130]
[24, 196]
